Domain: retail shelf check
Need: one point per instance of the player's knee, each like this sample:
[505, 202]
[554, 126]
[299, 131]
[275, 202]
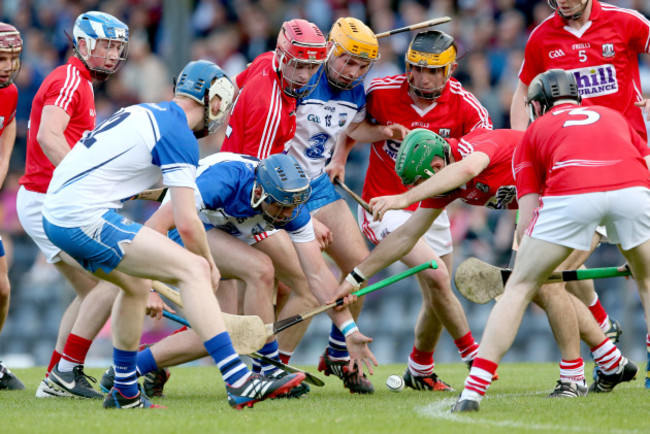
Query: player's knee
[263, 273]
[196, 267]
[5, 288]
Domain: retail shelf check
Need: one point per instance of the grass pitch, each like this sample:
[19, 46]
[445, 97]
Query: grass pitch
[197, 404]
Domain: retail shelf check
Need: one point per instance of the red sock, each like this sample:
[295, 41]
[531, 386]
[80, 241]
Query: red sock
[421, 362]
[467, 347]
[598, 312]
[76, 348]
[285, 357]
[480, 376]
[572, 370]
[56, 356]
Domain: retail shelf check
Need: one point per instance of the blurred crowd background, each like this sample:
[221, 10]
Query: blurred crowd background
[165, 34]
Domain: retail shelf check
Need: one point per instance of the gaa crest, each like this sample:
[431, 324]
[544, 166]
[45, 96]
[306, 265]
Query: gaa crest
[608, 50]
[444, 132]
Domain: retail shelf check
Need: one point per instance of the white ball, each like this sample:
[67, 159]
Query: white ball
[395, 383]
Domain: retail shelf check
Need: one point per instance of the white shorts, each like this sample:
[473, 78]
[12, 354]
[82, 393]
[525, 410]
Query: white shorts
[572, 220]
[438, 237]
[29, 207]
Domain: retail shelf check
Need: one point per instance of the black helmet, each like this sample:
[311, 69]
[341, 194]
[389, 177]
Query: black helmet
[549, 87]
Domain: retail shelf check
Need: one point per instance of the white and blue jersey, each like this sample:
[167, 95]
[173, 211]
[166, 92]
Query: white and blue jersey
[223, 200]
[123, 156]
[320, 118]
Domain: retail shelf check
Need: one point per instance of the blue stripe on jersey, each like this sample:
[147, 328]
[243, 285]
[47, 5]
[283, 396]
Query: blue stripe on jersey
[175, 145]
[87, 172]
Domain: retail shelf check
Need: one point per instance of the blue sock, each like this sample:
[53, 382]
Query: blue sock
[337, 350]
[146, 362]
[269, 350]
[232, 368]
[126, 381]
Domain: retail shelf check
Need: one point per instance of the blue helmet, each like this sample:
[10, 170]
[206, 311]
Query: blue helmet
[282, 181]
[201, 81]
[93, 27]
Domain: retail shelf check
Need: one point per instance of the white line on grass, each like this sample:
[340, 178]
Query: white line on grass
[442, 410]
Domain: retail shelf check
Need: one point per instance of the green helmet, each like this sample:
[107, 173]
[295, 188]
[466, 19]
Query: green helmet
[416, 153]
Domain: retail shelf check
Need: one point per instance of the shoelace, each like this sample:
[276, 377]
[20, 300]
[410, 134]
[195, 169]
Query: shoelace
[82, 377]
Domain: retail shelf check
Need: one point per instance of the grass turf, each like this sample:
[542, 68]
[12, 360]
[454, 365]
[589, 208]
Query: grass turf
[197, 403]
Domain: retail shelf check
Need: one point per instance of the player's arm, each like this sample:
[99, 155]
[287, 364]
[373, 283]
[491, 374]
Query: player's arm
[366, 132]
[6, 147]
[527, 205]
[447, 179]
[162, 220]
[51, 137]
[190, 227]
[518, 115]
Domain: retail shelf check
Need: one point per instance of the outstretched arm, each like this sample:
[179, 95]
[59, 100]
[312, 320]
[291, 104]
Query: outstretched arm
[449, 178]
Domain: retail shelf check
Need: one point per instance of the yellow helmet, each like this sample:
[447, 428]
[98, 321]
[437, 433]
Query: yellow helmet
[430, 49]
[350, 36]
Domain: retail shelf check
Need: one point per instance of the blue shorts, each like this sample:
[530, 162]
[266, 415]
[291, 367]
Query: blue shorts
[322, 193]
[2, 248]
[96, 246]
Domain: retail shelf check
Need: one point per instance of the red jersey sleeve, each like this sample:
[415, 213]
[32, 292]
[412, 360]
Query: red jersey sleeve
[63, 90]
[8, 103]
[638, 142]
[636, 30]
[531, 66]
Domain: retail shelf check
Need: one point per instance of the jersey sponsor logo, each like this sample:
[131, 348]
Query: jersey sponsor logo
[505, 195]
[608, 50]
[391, 147]
[416, 124]
[581, 46]
[329, 108]
[596, 80]
[313, 118]
[444, 132]
[556, 53]
[317, 145]
[343, 118]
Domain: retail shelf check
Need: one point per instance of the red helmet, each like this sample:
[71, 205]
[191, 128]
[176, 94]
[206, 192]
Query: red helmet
[299, 42]
[10, 44]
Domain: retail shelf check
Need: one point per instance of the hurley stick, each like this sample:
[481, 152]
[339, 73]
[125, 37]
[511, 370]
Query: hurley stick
[422, 25]
[354, 196]
[480, 282]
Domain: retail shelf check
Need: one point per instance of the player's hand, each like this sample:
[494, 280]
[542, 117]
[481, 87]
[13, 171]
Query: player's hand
[360, 354]
[323, 234]
[379, 205]
[335, 170]
[394, 132]
[156, 305]
[344, 291]
[645, 107]
[624, 267]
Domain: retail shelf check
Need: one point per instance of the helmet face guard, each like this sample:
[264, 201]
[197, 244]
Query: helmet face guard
[106, 43]
[353, 51]
[11, 49]
[549, 88]
[284, 184]
[202, 81]
[300, 50]
[575, 13]
[416, 152]
[430, 50]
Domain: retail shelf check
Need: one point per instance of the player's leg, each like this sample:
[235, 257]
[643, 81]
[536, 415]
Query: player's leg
[8, 380]
[439, 306]
[536, 259]
[279, 248]
[584, 290]
[347, 249]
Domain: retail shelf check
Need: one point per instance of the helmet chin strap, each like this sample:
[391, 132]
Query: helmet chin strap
[575, 15]
[206, 117]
